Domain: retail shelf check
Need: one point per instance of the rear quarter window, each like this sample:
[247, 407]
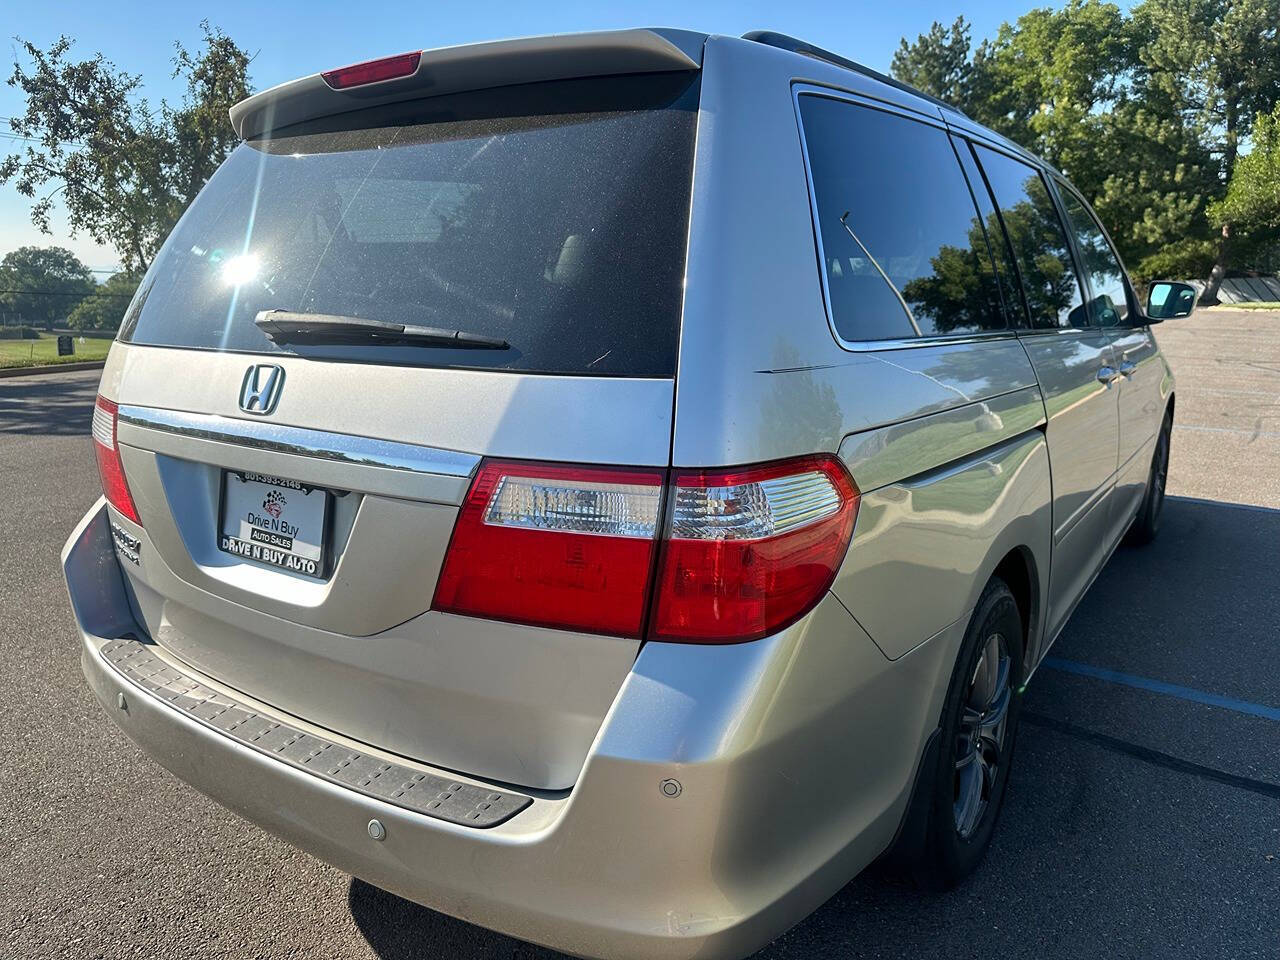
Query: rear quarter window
[904, 252]
[552, 216]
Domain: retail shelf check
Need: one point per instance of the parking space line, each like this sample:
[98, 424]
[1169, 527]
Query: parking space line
[1159, 686]
[1156, 757]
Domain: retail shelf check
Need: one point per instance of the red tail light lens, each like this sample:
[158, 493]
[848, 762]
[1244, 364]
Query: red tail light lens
[557, 546]
[751, 550]
[748, 551]
[373, 71]
[105, 419]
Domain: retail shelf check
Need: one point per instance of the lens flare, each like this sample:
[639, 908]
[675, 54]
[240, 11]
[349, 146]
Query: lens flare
[240, 270]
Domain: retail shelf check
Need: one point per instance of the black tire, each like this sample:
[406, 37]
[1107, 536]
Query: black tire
[972, 744]
[1146, 524]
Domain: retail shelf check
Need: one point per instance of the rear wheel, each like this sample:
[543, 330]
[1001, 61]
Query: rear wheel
[1147, 523]
[979, 722]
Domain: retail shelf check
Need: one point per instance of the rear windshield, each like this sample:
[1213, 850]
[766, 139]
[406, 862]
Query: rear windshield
[552, 216]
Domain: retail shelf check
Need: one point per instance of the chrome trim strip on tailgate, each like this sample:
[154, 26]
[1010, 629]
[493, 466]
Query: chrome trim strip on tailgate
[427, 793]
[303, 441]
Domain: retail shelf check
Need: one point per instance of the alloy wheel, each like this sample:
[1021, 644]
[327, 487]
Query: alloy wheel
[979, 748]
[1159, 473]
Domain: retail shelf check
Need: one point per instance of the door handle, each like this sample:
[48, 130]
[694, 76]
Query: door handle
[1108, 375]
[1127, 368]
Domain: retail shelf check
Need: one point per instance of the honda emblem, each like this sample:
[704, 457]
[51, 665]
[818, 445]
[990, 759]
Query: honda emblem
[260, 391]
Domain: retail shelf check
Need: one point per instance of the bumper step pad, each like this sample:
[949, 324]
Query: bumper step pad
[425, 793]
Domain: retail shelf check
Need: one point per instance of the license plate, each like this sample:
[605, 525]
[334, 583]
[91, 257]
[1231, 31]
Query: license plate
[279, 522]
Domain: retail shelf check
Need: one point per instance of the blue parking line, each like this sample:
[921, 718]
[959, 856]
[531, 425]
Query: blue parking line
[1159, 686]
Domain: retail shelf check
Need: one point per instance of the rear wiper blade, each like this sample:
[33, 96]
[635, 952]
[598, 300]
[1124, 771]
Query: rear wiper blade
[284, 326]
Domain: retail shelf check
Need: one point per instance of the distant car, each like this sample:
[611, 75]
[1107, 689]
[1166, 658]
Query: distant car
[612, 488]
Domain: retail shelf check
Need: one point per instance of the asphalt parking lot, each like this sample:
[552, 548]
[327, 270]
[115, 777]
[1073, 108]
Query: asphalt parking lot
[1143, 818]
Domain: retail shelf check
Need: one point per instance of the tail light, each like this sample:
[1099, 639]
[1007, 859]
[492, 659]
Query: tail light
[373, 71]
[555, 546]
[750, 551]
[746, 552]
[105, 418]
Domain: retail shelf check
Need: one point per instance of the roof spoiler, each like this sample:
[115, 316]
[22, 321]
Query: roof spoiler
[477, 66]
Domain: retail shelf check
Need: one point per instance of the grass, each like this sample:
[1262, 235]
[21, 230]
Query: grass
[44, 352]
[1254, 305]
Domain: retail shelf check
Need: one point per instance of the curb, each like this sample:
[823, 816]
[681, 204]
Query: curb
[51, 368]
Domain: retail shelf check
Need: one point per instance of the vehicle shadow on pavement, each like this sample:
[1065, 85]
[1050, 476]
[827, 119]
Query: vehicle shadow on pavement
[48, 405]
[1110, 842]
[399, 929]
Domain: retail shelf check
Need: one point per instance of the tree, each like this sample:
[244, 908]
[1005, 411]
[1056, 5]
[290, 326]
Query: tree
[940, 62]
[960, 292]
[103, 308]
[1050, 76]
[1145, 113]
[1252, 203]
[41, 285]
[1216, 65]
[1152, 181]
[1058, 82]
[1038, 82]
[123, 171]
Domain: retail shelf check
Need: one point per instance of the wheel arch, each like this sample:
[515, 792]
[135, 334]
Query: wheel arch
[1018, 570]
[1021, 556]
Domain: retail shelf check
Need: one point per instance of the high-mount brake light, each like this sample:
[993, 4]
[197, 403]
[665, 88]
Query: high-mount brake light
[560, 546]
[751, 550]
[373, 71]
[747, 551]
[105, 419]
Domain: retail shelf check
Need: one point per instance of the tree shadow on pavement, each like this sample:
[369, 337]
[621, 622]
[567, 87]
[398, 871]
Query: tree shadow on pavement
[58, 404]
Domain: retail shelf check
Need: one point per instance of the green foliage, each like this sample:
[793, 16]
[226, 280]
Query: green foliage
[961, 291]
[1252, 203]
[1149, 181]
[41, 285]
[1035, 233]
[1046, 79]
[1215, 62]
[44, 351]
[1145, 112]
[123, 171]
[938, 62]
[19, 333]
[1189, 257]
[104, 308]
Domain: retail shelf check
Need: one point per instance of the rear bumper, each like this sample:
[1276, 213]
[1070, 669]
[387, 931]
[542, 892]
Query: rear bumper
[794, 756]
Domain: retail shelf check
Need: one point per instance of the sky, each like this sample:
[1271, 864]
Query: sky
[292, 38]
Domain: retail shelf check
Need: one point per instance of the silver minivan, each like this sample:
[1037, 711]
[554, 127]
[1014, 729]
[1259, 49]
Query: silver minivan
[612, 488]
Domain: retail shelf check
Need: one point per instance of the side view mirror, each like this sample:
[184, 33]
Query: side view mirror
[1168, 299]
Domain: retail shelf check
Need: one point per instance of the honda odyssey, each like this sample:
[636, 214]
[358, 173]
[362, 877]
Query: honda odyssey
[612, 488]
